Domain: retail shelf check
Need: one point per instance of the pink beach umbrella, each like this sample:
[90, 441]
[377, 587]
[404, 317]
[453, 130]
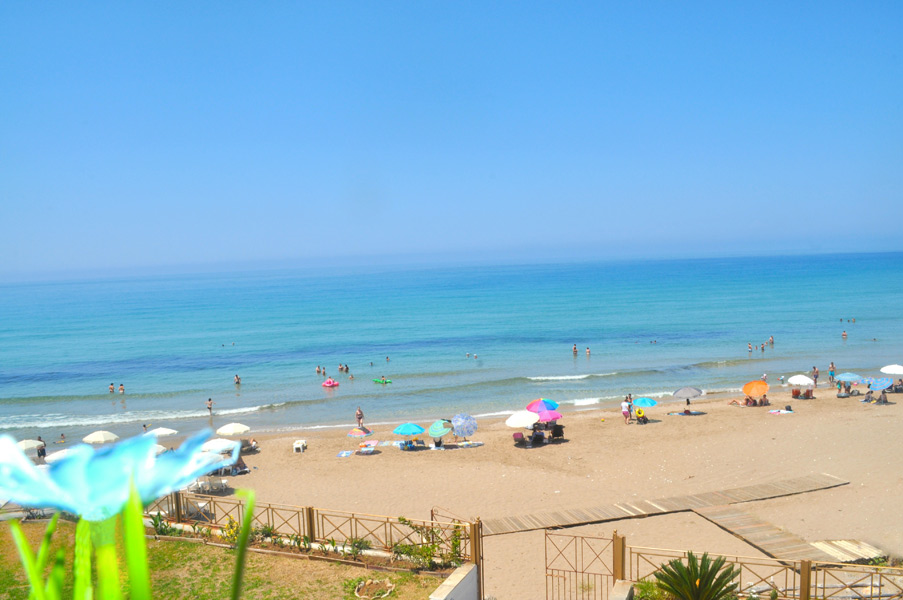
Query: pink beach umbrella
[542, 404]
[359, 432]
[549, 415]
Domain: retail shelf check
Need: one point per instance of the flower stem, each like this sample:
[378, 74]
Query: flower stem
[104, 535]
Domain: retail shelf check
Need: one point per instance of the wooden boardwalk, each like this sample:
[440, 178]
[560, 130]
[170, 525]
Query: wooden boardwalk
[662, 506]
[768, 538]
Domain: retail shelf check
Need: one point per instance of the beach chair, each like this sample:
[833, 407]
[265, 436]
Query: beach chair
[518, 439]
[248, 447]
[795, 393]
[557, 432]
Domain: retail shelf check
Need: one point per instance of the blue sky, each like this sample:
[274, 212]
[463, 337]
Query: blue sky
[189, 134]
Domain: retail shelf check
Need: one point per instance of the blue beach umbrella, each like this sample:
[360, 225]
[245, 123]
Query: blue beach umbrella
[881, 384]
[644, 402]
[464, 425]
[848, 377]
[408, 429]
[542, 404]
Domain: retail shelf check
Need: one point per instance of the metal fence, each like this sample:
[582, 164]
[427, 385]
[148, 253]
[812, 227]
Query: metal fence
[586, 568]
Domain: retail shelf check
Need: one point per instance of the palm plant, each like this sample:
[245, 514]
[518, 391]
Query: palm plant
[702, 579]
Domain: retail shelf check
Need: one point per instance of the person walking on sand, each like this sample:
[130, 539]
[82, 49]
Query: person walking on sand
[831, 371]
[625, 410]
[815, 376]
[210, 406]
[359, 415]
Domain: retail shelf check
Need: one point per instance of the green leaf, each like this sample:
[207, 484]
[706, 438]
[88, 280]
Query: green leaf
[44, 550]
[243, 536]
[135, 547]
[54, 589]
[28, 561]
[104, 536]
[83, 590]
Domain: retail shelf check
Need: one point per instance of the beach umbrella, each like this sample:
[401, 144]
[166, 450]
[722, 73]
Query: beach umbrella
[219, 445]
[892, 370]
[408, 429]
[58, 455]
[522, 419]
[233, 429]
[162, 432]
[881, 384]
[27, 445]
[686, 393]
[644, 402]
[755, 388]
[464, 425]
[800, 380]
[541, 405]
[439, 428]
[359, 432]
[848, 377]
[549, 415]
[100, 437]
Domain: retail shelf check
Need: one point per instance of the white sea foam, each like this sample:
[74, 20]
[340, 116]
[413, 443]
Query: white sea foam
[500, 413]
[585, 401]
[571, 377]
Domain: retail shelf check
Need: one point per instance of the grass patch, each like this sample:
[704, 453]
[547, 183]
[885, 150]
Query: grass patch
[196, 571]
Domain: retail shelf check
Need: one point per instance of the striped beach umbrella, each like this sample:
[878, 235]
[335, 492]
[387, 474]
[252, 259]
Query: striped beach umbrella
[848, 377]
[541, 405]
[359, 432]
[881, 384]
[439, 428]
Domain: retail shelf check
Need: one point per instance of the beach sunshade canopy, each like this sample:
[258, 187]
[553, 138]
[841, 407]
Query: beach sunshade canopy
[464, 425]
[892, 370]
[27, 445]
[58, 455]
[848, 377]
[100, 437]
[800, 380]
[881, 384]
[644, 402]
[522, 419]
[162, 431]
[360, 432]
[408, 429]
[755, 388]
[233, 429]
[219, 445]
[686, 393]
[439, 428]
[549, 415]
[541, 405]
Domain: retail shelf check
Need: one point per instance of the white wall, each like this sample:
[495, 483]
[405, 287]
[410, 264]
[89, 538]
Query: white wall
[462, 584]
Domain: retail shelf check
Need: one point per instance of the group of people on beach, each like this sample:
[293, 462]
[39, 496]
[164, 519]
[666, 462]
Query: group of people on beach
[770, 342]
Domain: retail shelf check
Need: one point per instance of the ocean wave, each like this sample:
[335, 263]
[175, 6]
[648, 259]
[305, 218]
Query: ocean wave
[145, 416]
[571, 377]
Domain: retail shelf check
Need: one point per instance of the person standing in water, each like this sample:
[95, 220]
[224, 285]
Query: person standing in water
[121, 388]
[359, 415]
[112, 388]
[210, 406]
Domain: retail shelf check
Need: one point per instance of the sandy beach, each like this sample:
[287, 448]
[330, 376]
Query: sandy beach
[608, 461]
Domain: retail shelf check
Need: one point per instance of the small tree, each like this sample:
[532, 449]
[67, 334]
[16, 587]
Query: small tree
[699, 579]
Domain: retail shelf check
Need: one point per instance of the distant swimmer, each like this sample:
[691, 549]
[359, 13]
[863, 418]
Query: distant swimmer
[575, 348]
[474, 356]
[318, 369]
[844, 334]
[587, 350]
[145, 427]
[771, 341]
[112, 388]
[382, 379]
[237, 379]
[749, 345]
[210, 405]
[62, 439]
[121, 389]
[387, 359]
[467, 355]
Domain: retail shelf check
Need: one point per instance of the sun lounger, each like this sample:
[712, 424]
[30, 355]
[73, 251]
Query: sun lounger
[366, 451]
[518, 438]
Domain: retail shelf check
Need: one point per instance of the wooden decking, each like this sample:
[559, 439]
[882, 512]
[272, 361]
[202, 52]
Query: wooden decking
[661, 506]
[768, 538]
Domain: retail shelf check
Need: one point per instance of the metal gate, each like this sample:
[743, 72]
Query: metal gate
[578, 568]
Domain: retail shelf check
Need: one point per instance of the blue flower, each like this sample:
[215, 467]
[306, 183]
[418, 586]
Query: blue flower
[95, 484]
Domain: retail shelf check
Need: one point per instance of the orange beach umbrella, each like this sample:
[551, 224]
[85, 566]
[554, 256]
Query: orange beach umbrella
[755, 388]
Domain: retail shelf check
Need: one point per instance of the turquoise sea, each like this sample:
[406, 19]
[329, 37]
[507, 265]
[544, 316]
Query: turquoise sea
[652, 326]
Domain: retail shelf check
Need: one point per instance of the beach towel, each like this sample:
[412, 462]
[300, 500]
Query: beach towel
[345, 453]
[693, 413]
[469, 444]
[387, 443]
[780, 412]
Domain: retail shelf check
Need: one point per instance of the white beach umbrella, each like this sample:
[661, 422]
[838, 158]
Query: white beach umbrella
[100, 437]
[233, 429]
[219, 445]
[55, 456]
[162, 432]
[892, 370]
[522, 419]
[800, 380]
[27, 445]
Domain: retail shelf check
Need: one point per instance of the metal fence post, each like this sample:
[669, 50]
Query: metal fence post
[476, 550]
[805, 579]
[618, 545]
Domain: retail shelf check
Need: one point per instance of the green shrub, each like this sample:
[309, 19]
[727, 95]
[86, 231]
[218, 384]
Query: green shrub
[163, 527]
[699, 579]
